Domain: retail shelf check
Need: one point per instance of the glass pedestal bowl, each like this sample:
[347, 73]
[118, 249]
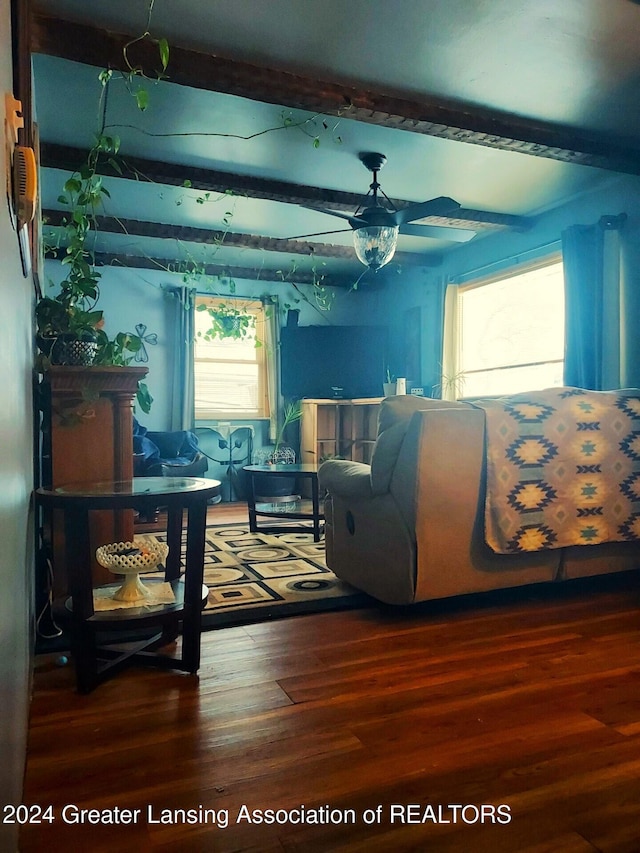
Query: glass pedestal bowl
[131, 559]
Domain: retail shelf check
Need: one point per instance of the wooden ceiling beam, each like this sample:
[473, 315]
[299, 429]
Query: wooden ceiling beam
[68, 159]
[461, 123]
[226, 271]
[230, 239]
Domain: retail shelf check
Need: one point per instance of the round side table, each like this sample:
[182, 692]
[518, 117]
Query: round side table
[93, 662]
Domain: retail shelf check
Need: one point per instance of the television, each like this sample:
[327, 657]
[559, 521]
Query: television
[316, 359]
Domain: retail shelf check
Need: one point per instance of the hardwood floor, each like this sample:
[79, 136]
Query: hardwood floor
[528, 700]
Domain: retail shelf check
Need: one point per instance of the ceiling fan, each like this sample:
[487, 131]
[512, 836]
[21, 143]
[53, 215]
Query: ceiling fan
[376, 227]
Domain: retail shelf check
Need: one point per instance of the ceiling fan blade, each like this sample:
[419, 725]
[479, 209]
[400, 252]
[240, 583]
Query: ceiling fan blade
[441, 206]
[438, 232]
[354, 221]
[318, 234]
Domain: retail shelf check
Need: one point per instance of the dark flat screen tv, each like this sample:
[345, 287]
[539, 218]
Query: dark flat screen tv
[316, 359]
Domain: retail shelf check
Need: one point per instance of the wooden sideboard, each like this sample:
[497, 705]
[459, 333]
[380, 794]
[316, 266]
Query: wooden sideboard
[87, 436]
[338, 428]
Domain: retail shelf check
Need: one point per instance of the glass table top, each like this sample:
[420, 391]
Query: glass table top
[137, 486]
[284, 468]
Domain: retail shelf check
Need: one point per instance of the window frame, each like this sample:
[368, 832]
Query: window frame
[453, 334]
[256, 308]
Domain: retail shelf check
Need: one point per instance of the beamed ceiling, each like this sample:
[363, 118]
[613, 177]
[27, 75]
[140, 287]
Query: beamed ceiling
[509, 107]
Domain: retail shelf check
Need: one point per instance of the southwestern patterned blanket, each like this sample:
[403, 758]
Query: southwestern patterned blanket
[563, 468]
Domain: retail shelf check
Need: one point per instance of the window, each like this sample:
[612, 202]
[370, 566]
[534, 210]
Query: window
[509, 333]
[230, 373]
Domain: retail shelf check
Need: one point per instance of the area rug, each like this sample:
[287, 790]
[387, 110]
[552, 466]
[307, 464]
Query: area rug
[253, 577]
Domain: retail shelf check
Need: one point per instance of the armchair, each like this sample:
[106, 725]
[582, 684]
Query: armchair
[166, 454]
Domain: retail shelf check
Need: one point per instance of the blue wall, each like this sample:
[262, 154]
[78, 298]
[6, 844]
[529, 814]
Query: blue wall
[129, 297]
[487, 254]
[132, 296]
[16, 474]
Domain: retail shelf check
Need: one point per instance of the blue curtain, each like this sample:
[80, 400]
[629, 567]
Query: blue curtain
[595, 326]
[181, 304]
[271, 343]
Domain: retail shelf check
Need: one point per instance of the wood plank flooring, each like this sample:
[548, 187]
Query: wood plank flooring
[527, 699]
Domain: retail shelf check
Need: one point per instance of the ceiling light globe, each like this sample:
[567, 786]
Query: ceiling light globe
[375, 245]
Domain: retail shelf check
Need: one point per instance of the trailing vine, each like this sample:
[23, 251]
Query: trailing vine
[73, 311]
[75, 308]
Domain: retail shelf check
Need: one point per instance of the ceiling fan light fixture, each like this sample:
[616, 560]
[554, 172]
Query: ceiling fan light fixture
[375, 245]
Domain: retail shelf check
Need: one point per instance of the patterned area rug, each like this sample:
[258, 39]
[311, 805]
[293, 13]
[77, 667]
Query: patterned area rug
[253, 577]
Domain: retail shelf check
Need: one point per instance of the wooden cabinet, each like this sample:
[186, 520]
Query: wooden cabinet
[345, 429]
[87, 437]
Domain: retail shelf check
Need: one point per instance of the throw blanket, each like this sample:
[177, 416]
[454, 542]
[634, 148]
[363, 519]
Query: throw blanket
[563, 468]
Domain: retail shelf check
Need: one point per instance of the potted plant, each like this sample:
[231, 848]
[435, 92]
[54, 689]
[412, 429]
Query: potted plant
[66, 332]
[389, 387]
[280, 453]
[69, 325]
[280, 488]
[227, 321]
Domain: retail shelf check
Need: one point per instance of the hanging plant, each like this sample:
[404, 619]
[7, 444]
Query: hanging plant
[227, 321]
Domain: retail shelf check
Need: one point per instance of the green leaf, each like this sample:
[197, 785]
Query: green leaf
[316, 142]
[163, 47]
[63, 199]
[132, 343]
[144, 398]
[187, 183]
[105, 75]
[94, 317]
[142, 99]
[72, 185]
[115, 165]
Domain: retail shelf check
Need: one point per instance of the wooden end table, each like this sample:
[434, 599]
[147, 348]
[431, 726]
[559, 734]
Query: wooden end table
[93, 662]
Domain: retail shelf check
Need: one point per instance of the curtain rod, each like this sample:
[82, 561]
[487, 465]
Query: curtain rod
[612, 223]
[609, 222]
[504, 262]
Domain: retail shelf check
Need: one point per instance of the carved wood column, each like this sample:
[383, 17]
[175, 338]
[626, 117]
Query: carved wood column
[89, 421]
[122, 406]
